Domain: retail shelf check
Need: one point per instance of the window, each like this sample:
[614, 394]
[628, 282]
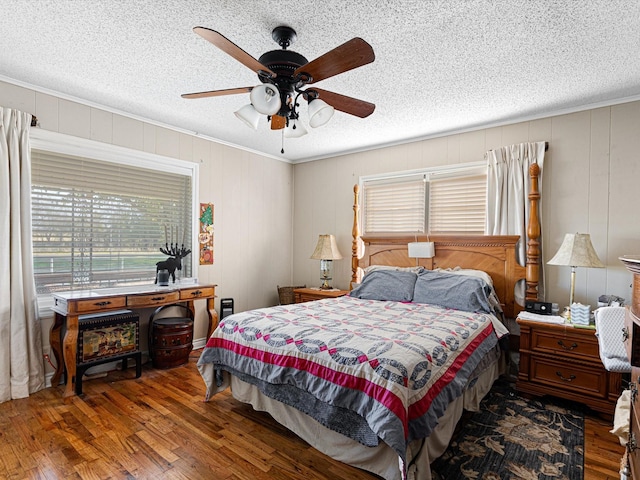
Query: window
[395, 205]
[448, 200]
[100, 214]
[458, 203]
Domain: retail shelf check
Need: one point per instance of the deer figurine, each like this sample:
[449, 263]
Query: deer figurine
[174, 262]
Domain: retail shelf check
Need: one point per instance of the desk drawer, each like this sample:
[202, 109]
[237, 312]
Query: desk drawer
[148, 300]
[97, 304]
[196, 292]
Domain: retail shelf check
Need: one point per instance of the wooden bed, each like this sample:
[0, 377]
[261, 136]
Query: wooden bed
[492, 254]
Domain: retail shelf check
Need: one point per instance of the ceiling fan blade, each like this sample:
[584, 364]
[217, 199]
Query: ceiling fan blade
[217, 93]
[230, 48]
[345, 104]
[352, 54]
[278, 122]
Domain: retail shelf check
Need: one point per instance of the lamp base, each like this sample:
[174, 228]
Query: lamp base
[325, 284]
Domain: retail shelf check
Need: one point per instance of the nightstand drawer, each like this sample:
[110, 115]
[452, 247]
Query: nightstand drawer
[578, 378]
[574, 345]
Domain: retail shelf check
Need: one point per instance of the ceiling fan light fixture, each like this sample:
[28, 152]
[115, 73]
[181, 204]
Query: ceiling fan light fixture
[249, 115]
[266, 99]
[320, 112]
[283, 76]
[295, 129]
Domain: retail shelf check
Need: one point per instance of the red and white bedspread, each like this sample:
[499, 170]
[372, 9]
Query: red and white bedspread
[371, 370]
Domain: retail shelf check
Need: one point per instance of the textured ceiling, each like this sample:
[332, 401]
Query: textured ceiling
[441, 66]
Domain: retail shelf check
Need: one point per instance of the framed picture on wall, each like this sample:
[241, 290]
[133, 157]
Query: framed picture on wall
[205, 234]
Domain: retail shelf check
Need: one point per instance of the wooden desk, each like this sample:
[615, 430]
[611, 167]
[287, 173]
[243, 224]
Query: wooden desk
[68, 306]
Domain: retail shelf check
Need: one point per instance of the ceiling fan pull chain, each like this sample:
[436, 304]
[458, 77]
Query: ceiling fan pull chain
[282, 149]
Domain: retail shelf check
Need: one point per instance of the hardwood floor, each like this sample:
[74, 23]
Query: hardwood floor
[158, 427]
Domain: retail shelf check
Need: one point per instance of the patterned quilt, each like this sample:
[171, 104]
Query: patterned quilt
[372, 370]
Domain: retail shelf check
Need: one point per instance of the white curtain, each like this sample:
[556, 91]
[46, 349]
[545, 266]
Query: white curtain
[508, 187]
[21, 356]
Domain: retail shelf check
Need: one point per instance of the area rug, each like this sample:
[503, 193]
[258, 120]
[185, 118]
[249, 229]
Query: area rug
[512, 437]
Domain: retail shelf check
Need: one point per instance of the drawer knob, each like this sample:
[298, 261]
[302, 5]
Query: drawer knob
[632, 444]
[571, 347]
[197, 293]
[562, 377]
[625, 334]
[157, 299]
[102, 304]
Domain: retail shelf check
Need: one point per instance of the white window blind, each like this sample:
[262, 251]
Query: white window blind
[98, 223]
[439, 201]
[457, 205]
[395, 205]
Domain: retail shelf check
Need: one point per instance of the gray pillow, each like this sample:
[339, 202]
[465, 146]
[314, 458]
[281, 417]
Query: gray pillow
[449, 290]
[393, 285]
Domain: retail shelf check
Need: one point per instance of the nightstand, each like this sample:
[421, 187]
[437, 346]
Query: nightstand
[564, 361]
[311, 294]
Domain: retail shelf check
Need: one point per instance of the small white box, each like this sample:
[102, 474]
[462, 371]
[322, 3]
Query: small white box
[580, 314]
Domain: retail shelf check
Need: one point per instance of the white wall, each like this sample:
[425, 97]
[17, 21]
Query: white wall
[252, 195]
[590, 185]
[264, 227]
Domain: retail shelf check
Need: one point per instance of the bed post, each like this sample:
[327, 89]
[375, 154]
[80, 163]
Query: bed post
[355, 233]
[533, 232]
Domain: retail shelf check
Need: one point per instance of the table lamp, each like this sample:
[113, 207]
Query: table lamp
[576, 251]
[326, 251]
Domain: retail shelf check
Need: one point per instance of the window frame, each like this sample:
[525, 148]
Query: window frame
[472, 168]
[80, 147]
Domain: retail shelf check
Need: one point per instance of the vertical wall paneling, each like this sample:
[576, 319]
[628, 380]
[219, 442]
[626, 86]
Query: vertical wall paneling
[624, 211]
[591, 171]
[252, 195]
[598, 187]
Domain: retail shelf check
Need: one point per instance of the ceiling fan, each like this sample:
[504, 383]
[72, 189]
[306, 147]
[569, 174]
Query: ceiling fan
[285, 74]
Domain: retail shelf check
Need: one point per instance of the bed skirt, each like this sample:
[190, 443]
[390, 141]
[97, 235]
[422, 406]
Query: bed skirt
[381, 460]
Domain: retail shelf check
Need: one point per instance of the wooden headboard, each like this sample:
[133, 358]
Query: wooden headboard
[494, 254]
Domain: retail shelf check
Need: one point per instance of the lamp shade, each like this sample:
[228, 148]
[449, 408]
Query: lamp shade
[265, 99]
[249, 115]
[295, 129]
[421, 249]
[326, 249]
[576, 251]
[319, 112]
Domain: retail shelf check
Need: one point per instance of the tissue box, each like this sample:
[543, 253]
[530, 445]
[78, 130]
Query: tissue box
[580, 314]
